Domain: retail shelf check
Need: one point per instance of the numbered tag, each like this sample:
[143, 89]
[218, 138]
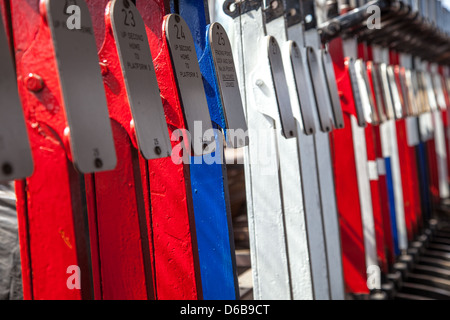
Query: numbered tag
[332, 86]
[395, 94]
[300, 79]
[140, 80]
[430, 91]
[366, 96]
[227, 80]
[426, 105]
[387, 92]
[356, 93]
[281, 89]
[439, 91]
[319, 90]
[378, 90]
[82, 88]
[15, 154]
[190, 84]
[407, 103]
[373, 107]
[411, 93]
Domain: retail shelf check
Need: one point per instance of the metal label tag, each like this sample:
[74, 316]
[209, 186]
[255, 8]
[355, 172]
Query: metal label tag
[356, 93]
[407, 109]
[365, 94]
[15, 153]
[190, 84]
[288, 124]
[227, 81]
[300, 78]
[389, 108]
[140, 80]
[333, 90]
[439, 91]
[319, 90]
[411, 93]
[82, 88]
[377, 88]
[398, 108]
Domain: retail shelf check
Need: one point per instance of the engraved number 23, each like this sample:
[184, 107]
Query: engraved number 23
[129, 18]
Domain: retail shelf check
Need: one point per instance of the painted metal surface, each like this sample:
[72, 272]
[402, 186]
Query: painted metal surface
[140, 80]
[373, 152]
[270, 265]
[439, 134]
[321, 179]
[306, 250]
[50, 204]
[406, 167]
[390, 152]
[209, 183]
[345, 166]
[227, 83]
[90, 132]
[364, 176]
[177, 270]
[380, 203]
[189, 83]
[407, 155]
[15, 153]
[122, 254]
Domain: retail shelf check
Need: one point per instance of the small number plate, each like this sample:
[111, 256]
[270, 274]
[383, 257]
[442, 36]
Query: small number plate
[378, 89]
[333, 90]
[281, 89]
[395, 94]
[82, 89]
[15, 154]
[227, 80]
[356, 93]
[300, 75]
[319, 90]
[190, 84]
[140, 80]
[365, 95]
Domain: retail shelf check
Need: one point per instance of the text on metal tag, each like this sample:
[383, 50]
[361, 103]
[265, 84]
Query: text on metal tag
[82, 89]
[227, 80]
[190, 84]
[319, 90]
[140, 80]
[333, 90]
[288, 124]
[300, 75]
[15, 153]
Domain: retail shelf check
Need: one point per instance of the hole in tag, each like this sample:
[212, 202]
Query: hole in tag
[274, 4]
[232, 7]
[98, 163]
[7, 169]
[158, 150]
[126, 4]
